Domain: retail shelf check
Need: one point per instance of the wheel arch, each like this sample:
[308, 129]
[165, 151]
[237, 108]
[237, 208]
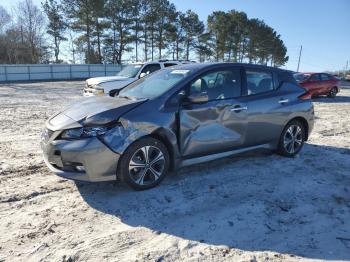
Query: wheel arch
[170, 142]
[166, 137]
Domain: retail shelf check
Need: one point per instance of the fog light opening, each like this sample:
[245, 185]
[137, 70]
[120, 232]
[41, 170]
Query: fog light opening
[73, 166]
[80, 168]
[57, 153]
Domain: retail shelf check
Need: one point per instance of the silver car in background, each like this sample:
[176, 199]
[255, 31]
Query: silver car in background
[102, 86]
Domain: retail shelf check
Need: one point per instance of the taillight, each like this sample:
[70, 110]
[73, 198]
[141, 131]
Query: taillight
[306, 96]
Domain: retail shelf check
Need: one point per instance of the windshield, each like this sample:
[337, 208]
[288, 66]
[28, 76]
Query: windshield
[301, 77]
[130, 71]
[155, 84]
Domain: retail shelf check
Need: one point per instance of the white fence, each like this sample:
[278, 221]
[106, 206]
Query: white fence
[55, 72]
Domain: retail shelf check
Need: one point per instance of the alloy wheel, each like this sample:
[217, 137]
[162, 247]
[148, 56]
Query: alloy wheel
[293, 139]
[146, 165]
[333, 92]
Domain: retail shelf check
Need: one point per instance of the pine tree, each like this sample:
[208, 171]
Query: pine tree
[56, 26]
[120, 15]
[192, 28]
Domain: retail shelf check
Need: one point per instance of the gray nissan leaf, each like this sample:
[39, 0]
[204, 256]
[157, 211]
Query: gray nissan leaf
[178, 117]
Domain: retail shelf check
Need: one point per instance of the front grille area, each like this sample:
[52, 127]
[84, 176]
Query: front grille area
[88, 89]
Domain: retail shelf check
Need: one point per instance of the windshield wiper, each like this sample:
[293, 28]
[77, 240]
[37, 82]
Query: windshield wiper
[127, 97]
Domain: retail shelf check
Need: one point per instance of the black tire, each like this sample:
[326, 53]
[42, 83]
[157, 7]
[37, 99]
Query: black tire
[333, 92]
[139, 173]
[285, 149]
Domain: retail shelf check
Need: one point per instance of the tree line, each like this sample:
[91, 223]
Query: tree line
[114, 31]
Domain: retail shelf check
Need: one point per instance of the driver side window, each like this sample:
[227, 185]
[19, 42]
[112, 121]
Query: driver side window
[221, 84]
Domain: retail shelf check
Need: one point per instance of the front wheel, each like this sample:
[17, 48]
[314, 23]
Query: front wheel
[292, 139]
[144, 164]
[333, 92]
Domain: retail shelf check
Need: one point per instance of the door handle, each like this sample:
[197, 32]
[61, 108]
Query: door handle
[239, 108]
[282, 101]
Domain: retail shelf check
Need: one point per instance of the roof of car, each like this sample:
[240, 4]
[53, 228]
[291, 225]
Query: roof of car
[312, 73]
[158, 62]
[198, 66]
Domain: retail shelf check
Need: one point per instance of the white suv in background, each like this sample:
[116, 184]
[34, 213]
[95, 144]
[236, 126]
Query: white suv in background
[98, 86]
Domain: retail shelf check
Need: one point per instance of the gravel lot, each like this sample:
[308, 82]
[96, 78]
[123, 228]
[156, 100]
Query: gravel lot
[253, 207]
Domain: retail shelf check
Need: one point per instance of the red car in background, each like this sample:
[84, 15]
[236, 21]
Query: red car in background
[318, 83]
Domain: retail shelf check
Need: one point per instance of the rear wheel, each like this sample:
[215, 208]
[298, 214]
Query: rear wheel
[292, 139]
[144, 164]
[333, 92]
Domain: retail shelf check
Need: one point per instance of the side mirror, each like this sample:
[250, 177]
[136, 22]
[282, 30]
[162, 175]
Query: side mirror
[198, 99]
[142, 75]
[114, 92]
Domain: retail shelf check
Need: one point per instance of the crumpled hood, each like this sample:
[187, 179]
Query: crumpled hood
[92, 111]
[102, 79]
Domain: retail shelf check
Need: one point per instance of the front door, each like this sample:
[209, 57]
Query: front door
[326, 83]
[217, 125]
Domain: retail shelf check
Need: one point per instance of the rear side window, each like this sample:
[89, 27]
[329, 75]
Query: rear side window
[259, 81]
[301, 77]
[315, 77]
[325, 77]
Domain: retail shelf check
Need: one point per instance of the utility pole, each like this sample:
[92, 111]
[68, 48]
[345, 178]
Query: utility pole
[346, 68]
[301, 49]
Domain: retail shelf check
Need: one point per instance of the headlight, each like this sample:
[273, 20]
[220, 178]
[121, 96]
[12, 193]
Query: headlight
[98, 91]
[84, 132]
[94, 131]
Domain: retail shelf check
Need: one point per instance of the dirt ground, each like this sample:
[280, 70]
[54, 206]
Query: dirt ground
[253, 207]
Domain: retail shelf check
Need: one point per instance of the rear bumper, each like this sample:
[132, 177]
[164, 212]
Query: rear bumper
[84, 160]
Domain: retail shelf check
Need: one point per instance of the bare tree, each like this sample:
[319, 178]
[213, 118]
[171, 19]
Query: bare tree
[31, 23]
[72, 46]
[4, 18]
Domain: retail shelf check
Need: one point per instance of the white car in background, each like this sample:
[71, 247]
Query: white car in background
[102, 86]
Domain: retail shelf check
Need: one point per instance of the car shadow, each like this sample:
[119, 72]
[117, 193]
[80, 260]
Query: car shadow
[337, 99]
[252, 202]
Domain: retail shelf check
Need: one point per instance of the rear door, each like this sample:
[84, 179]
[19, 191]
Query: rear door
[315, 84]
[217, 125]
[265, 104]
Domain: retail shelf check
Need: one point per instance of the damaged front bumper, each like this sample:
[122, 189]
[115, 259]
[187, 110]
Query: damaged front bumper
[87, 159]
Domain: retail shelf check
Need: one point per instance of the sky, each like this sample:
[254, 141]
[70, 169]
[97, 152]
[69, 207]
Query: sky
[322, 27]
